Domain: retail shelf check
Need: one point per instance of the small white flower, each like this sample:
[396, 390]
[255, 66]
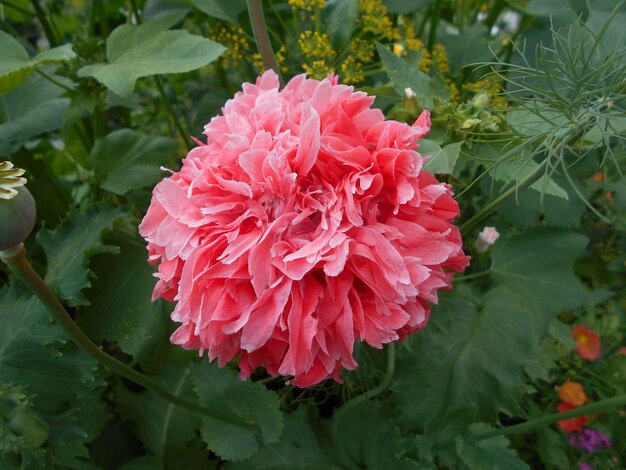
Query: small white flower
[486, 238]
[409, 93]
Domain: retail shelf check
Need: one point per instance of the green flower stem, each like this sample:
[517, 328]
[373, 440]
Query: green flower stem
[534, 424]
[172, 113]
[382, 386]
[16, 259]
[261, 37]
[471, 276]
[45, 24]
[486, 211]
[434, 22]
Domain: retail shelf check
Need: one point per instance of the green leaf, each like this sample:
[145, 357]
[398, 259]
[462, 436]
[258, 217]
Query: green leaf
[442, 159]
[551, 450]
[403, 7]
[120, 307]
[367, 434]
[125, 160]
[16, 65]
[222, 390]
[35, 355]
[28, 111]
[70, 245]
[163, 427]
[340, 19]
[405, 75]
[489, 453]
[148, 49]
[438, 440]
[303, 445]
[226, 10]
[468, 356]
[538, 265]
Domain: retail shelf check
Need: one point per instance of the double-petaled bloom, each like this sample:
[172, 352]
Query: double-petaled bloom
[305, 223]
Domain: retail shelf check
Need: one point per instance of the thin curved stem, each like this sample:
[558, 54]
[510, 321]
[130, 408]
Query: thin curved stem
[262, 38]
[467, 277]
[16, 259]
[382, 386]
[533, 424]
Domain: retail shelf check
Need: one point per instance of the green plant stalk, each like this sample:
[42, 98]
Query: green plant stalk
[172, 113]
[382, 386]
[45, 24]
[486, 211]
[16, 259]
[262, 39]
[434, 22]
[471, 276]
[534, 424]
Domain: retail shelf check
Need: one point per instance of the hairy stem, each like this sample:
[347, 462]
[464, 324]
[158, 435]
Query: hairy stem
[382, 386]
[16, 259]
[537, 423]
[261, 37]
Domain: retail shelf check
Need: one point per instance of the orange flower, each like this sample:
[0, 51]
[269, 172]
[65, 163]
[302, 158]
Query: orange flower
[571, 424]
[572, 393]
[588, 343]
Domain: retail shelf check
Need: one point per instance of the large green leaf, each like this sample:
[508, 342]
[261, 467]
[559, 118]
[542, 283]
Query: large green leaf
[361, 436]
[70, 245]
[366, 433]
[28, 111]
[441, 159]
[303, 445]
[468, 356]
[340, 18]
[406, 75]
[120, 307]
[226, 10]
[538, 264]
[148, 49]
[222, 390]
[163, 427]
[125, 160]
[34, 354]
[489, 453]
[16, 65]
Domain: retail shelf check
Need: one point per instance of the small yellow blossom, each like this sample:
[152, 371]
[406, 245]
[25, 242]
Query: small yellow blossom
[455, 95]
[316, 46]
[280, 58]
[234, 39]
[440, 59]
[306, 5]
[426, 61]
[398, 49]
[317, 69]
[374, 18]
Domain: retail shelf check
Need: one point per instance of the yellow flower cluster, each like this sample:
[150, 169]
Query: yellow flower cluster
[361, 53]
[374, 18]
[493, 87]
[319, 53]
[280, 58]
[235, 40]
[317, 69]
[307, 5]
[440, 59]
[316, 45]
[426, 61]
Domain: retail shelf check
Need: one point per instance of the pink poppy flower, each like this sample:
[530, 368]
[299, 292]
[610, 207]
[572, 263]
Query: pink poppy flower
[303, 225]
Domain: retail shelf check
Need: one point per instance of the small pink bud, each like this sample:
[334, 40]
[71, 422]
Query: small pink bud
[486, 238]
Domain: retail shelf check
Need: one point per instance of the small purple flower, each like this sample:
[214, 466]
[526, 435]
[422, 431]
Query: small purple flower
[590, 440]
[584, 466]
